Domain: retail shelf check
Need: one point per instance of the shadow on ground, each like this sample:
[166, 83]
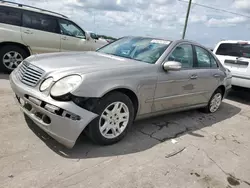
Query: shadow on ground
[240, 95]
[143, 134]
[4, 77]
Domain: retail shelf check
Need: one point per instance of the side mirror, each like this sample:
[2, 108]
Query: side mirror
[171, 66]
[87, 36]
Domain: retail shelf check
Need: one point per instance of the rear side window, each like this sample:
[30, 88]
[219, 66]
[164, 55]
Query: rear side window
[213, 62]
[40, 22]
[10, 16]
[234, 49]
[203, 59]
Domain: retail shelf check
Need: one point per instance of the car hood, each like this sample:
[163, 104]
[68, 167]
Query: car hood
[81, 62]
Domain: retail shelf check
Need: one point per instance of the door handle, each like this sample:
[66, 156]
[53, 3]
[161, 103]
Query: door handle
[194, 76]
[216, 75]
[28, 32]
[64, 38]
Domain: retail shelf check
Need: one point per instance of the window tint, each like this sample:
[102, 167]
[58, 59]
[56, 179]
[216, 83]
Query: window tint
[70, 29]
[10, 16]
[203, 59]
[40, 22]
[236, 50]
[183, 54]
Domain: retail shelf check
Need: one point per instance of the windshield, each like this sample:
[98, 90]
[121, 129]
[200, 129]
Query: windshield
[236, 50]
[137, 48]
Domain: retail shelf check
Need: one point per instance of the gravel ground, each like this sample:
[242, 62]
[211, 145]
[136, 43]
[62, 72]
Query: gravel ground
[187, 149]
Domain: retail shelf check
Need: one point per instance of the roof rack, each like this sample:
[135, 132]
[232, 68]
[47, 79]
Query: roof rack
[22, 5]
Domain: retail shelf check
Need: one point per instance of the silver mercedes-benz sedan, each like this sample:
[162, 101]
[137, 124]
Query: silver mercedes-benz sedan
[103, 92]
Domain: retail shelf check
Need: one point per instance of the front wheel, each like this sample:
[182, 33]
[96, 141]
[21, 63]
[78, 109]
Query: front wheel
[214, 103]
[116, 114]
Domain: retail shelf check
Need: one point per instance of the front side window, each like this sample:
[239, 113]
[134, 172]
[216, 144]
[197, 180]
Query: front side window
[138, 48]
[203, 58]
[39, 22]
[183, 54]
[70, 29]
[234, 49]
[10, 16]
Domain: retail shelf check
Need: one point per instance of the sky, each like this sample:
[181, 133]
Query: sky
[156, 18]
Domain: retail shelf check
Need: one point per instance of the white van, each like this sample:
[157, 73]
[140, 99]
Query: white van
[235, 55]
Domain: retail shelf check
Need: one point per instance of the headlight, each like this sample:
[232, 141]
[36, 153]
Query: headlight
[46, 84]
[65, 85]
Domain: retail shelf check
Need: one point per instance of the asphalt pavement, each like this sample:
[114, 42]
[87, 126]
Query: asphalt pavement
[181, 150]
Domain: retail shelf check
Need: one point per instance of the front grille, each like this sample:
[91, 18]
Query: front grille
[29, 74]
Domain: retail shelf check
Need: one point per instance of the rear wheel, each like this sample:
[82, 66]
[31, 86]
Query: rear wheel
[116, 114]
[215, 102]
[10, 57]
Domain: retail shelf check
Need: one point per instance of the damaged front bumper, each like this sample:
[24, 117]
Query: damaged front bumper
[64, 121]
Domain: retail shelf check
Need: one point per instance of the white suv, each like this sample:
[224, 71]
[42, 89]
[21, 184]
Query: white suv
[27, 30]
[235, 55]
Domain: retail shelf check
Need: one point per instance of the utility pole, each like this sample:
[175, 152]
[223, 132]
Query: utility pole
[186, 21]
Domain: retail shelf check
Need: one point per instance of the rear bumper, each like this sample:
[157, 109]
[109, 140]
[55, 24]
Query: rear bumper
[241, 81]
[64, 121]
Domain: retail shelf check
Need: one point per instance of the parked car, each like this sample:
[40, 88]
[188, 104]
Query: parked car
[103, 92]
[26, 30]
[235, 55]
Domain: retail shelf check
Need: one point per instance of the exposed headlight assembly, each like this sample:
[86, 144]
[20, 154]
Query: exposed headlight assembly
[65, 85]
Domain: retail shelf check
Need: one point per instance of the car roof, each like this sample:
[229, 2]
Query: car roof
[31, 8]
[234, 41]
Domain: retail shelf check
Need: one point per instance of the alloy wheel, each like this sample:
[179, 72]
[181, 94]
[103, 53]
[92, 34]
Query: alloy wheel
[114, 120]
[12, 59]
[215, 102]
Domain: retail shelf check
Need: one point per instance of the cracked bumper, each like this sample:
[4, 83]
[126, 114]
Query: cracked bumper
[64, 121]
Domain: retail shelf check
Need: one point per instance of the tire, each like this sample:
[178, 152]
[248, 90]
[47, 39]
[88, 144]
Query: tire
[12, 50]
[208, 108]
[94, 128]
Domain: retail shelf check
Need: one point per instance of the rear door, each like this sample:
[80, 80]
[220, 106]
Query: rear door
[40, 32]
[73, 37]
[208, 74]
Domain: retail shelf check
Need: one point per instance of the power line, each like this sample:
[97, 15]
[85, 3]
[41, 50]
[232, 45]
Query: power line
[222, 10]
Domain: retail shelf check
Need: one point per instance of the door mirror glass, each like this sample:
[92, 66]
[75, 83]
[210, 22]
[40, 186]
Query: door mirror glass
[172, 66]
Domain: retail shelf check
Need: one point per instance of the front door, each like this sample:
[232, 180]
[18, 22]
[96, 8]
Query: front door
[73, 37]
[40, 32]
[176, 89]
